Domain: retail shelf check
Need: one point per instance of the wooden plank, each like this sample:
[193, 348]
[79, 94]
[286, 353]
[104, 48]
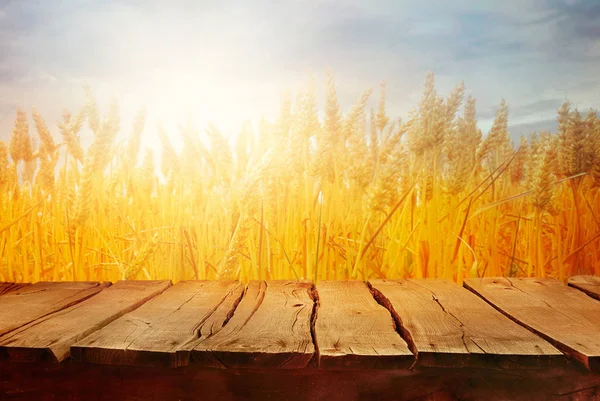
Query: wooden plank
[270, 328]
[353, 330]
[5, 288]
[33, 302]
[50, 337]
[162, 331]
[588, 284]
[566, 317]
[449, 326]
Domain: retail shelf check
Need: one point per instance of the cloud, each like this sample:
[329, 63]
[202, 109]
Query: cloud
[533, 59]
[526, 129]
[527, 109]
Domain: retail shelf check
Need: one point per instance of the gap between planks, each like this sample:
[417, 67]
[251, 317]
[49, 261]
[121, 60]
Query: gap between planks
[183, 325]
[313, 294]
[228, 343]
[562, 315]
[162, 331]
[30, 303]
[588, 284]
[448, 326]
[50, 336]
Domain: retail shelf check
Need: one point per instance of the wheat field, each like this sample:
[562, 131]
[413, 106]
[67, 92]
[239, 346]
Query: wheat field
[352, 195]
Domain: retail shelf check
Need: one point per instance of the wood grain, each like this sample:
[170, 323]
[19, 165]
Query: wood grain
[164, 330]
[270, 328]
[566, 317]
[26, 305]
[49, 337]
[588, 284]
[354, 331]
[5, 288]
[449, 326]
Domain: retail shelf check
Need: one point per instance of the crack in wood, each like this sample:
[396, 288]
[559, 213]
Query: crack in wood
[516, 288]
[296, 316]
[477, 345]
[461, 325]
[398, 324]
[183, 352]
[260, 296]
[539, 299]
[559, 312]
[20, 294]
[197, 329]
[233, 307]
[314, 295]
[194, 295]
[136, 320]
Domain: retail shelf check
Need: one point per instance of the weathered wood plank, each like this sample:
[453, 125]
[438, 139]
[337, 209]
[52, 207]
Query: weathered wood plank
[566, 317]
[450, 326]
[588, 284]
[26, 305]
[353, 330]
[270, 328]
[49, 337]
[5, 288]
[162, 331]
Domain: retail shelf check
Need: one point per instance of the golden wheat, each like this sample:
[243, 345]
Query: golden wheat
[356, 194]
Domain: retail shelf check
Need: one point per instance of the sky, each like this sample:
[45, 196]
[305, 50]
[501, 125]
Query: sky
[227, 61]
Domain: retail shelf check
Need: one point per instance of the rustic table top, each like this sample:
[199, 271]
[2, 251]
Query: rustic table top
[514, 323]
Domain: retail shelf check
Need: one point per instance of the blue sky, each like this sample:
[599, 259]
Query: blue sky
[232, 58]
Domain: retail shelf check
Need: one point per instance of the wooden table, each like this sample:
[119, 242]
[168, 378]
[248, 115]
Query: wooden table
[496, 338]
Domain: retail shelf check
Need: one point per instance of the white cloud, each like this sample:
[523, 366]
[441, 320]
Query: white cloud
[225, 62]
